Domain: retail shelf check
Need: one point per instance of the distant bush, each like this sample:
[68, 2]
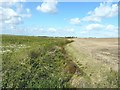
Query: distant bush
[70, 37]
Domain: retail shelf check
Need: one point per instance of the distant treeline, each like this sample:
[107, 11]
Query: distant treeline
[57, 37]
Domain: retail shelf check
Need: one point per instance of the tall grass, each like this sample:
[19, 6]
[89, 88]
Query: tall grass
[38, 66]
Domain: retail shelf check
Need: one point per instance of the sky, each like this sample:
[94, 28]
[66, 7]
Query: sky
[53, 18]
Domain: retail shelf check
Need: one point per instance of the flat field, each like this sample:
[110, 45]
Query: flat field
[97, 59]
[47, 62]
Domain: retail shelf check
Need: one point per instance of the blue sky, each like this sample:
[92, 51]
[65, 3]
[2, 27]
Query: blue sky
[81, 19]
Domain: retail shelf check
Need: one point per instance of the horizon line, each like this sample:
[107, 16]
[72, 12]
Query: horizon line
[55, 36]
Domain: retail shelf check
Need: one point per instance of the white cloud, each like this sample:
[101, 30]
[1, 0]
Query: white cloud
[52, 30]
[94, 27]
[48, 6]
[75, 21]
[111, 28]
[12, 17]
[26, 15]
[10, 3]
[23, 0]
[105, 10]
[14, 20]
[92, 19]
[19, 8]
[7, 14]
[28, 10]
[69, 29]
[12, 0]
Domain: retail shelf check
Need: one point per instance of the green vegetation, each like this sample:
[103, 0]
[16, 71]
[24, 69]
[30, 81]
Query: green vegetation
[33, 62]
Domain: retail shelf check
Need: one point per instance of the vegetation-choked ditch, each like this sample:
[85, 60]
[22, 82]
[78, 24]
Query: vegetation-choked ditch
[35, 62]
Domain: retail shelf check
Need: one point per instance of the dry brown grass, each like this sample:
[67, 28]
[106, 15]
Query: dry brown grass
[99, 59]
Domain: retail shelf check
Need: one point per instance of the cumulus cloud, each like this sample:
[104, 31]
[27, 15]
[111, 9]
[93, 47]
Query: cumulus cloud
[48, 6]
[69, 29]
[111, 28]
[26, 15]
[19, 8]
[12, 0]
[105, 10]
[92, 19]
[14, 20]
[94, 27]
[12, 17]
[49, 31]
[8, 15]
[75, 21]
[52, 30]
[28, 10]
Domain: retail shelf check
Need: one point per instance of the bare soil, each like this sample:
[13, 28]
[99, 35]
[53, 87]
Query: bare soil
[97, 60]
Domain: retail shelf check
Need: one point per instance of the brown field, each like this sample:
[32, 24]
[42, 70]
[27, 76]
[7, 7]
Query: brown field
[97, 60]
